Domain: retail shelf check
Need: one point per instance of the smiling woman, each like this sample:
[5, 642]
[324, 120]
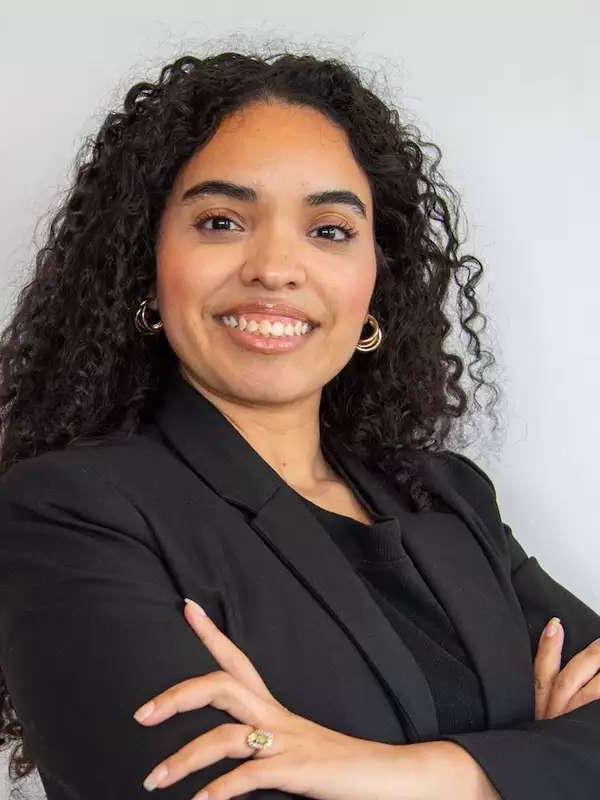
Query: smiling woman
[228, 381]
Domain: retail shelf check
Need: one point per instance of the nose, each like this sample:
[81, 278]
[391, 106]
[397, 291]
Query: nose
[274, 259]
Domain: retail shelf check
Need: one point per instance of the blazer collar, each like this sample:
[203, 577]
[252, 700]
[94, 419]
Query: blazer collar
[457, 562]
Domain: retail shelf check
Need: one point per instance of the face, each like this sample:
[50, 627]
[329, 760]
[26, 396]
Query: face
[272, 245]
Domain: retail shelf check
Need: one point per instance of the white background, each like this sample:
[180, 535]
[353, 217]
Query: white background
[508, 91]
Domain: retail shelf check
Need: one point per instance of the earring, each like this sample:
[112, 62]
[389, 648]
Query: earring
[373, 341]
[141, 323]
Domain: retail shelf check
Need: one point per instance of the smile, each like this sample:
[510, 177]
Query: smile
[266, 335]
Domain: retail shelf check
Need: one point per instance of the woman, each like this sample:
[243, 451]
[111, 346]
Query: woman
[226, 383]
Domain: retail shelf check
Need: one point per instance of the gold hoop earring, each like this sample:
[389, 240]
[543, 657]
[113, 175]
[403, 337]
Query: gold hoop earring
[372, 341]
[142, 324]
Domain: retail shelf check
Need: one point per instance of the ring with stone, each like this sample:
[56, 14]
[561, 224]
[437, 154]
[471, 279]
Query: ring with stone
[258, 739]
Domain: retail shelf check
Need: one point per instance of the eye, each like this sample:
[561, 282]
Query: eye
[212, 216]
[347, 230]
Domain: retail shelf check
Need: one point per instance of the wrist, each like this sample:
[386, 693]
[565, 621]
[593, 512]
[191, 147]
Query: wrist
[447, 771]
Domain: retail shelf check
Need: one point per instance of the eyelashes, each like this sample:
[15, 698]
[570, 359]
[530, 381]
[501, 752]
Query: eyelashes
[348, 230]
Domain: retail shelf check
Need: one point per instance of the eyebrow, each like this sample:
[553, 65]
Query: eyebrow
[248, 195]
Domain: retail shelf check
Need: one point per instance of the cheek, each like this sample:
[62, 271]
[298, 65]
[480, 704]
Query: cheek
[354, 298]
[356, 305]
[184, 278]
[172, 258]
[177, 287]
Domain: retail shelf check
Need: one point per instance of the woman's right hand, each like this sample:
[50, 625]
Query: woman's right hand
[578, 683]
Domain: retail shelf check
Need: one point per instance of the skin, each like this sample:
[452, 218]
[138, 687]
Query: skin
[272, 248]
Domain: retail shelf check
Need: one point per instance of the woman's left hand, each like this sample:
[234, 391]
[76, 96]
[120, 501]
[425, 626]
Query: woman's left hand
[305, 758]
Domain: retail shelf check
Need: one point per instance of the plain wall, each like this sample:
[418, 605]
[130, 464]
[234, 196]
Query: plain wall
[510, 94]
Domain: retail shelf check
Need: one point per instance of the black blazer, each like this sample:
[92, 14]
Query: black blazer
[100, 544]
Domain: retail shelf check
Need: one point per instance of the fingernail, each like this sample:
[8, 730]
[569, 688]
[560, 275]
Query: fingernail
[195, 607]
[144, 711]
[155, 777]
[552, 626]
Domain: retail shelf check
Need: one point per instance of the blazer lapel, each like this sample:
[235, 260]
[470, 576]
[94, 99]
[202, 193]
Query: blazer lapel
[309, 552]
[456, 558]
[220, 455]
[465, 569]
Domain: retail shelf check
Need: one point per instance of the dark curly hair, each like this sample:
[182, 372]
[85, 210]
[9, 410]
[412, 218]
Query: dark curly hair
[73, 366]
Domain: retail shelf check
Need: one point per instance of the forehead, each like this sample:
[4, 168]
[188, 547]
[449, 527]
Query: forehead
[281, 151]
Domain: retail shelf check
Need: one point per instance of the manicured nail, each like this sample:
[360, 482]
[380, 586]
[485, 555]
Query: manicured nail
[155, 777]
[195, 607]
[552, 626]
[144, 711]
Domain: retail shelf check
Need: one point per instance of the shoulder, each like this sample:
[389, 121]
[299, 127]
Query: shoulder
[450, 468]
[110, 463]
[449, 473]
[78, 483]
[465, 473]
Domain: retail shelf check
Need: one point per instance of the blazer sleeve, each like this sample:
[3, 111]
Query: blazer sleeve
[549, 759]
[91, 627]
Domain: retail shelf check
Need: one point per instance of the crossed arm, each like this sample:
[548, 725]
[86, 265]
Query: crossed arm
[80, 581]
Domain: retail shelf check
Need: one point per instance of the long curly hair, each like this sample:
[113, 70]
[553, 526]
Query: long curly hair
[73, 367]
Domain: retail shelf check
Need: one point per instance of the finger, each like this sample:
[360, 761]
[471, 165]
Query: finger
[546, 665]
[580, 669]
[226, 653]
[218, 689]
[587, 694]
[224, 741]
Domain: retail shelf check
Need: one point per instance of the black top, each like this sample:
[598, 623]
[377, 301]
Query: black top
[386, 568]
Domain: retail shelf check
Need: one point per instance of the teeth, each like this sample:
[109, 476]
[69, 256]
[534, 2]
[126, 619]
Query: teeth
[267, 328]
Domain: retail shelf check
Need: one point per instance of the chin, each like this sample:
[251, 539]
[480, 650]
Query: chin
[272, 390]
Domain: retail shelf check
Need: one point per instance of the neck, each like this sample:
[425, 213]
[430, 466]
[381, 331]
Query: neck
[287, 436]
